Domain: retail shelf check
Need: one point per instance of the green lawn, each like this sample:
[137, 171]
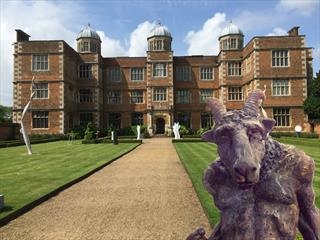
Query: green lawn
[25, 178]
[197, 156]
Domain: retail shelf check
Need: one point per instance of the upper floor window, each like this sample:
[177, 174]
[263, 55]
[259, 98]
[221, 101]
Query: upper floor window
[137, 74]
[205, 94]
[40, 119]
[85, 118]
[41, 90]
[183, 73]
[85, 96]
[183, 96]
[280, 58]
[280, 87]
[282, 117]
[234, 68]
[159, 94]
[114, 97]
[158, 45]
[114, 74]
[234, 93]
[206, 73]
[136, 96]
[85, 70]
[136, 118]
[40, 62]
[159, 70]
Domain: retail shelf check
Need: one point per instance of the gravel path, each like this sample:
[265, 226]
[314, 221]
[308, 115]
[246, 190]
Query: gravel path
[144, 195]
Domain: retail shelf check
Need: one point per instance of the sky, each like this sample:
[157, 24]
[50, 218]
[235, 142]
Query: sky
[123, 25]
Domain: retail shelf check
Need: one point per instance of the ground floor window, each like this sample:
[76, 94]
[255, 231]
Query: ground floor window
[85, 118]
[183, 119]
[115, 120]
[40, 119]
[282, 117]
[137, 118]
[206, 120]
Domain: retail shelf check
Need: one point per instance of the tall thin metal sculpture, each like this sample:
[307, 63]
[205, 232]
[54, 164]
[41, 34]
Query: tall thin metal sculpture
[23, 129]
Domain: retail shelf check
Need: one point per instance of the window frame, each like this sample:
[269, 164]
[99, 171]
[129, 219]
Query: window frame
[41, 121]
[40, 92]
[40, 64]
[284, 117]
[139, 97]
[85, 71]
[114, 74]
[237, 95]
[234, 69]
[137, 74]
[183, 96]
[114, 97]
[278, 88]
[204, 96]
[277, 58]
[158, 95]
[157, 71]
[206, 73]
[183, 73]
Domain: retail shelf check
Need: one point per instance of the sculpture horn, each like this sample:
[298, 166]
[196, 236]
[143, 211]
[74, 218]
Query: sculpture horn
[217, 109]
[252, 104]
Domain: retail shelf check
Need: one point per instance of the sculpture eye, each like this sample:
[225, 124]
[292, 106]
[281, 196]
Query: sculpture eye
[255, 135]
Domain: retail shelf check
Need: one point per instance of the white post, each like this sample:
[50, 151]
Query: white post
[138, 132]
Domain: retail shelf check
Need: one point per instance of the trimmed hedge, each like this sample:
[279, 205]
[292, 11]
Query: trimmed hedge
[14, 143]
[187, 140]
[293, 134]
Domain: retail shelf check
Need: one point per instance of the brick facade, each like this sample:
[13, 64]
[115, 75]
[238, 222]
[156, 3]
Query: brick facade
[81, 86]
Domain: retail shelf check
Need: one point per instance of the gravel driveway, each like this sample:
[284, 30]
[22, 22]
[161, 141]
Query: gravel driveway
[144, 195]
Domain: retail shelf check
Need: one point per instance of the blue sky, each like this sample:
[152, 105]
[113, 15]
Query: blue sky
[123, 25]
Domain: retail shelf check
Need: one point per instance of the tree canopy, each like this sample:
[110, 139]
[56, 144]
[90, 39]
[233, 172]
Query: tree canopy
[311, 105]
[5, 114]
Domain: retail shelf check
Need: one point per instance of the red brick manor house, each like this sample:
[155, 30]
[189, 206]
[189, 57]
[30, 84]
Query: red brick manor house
[74, 87]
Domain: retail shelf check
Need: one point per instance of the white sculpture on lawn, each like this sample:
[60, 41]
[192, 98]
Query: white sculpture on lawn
[176, 128]
[23, 129]
[138, 132]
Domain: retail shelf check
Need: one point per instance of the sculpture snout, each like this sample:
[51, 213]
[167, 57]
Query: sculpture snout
[246, 173]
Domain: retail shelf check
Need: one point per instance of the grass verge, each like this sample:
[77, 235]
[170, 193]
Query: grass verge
[197, 156]
[24, 179]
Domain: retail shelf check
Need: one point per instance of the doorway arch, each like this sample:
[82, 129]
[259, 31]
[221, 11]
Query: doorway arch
[160, 123]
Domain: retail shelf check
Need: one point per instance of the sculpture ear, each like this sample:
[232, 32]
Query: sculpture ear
[208, 136]
[268, 124]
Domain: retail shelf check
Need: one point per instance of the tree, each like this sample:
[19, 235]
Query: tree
[311, 105]
[5, 114]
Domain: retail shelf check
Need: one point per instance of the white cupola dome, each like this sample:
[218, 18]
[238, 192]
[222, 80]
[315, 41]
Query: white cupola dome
[231, 29]
[159, 31]
[88, 32]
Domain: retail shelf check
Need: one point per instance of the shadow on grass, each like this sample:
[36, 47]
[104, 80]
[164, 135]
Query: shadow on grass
[6, 209]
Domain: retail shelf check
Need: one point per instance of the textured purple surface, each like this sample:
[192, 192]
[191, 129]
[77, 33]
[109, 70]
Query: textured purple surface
[262, 188]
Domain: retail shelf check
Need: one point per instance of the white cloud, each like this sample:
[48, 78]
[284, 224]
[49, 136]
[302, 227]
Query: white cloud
[278, 32]
[299, 7]
[205, 40]
[110, 47]
[138, 39]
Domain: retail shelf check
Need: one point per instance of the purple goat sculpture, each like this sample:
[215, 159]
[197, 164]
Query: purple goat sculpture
[262, 188]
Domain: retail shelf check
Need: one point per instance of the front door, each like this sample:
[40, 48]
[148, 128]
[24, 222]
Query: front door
[160, 126]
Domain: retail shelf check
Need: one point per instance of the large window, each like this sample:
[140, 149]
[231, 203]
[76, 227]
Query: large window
[205, 94]
[159, 94]
[137, 118]
[85, 118]
[206, 120]
[183, 73]
[282, 117]
[183, 118]
[206, 73]
[234, 93]
[183, 96]
[114, 74]
[40, 62]
[137, 74]
[115, 120]
[280, 87]
[40, 119]
[85, 70]
[234, 68]
[114, 97]
[280, 58]
[85, 96]
[159, 70]
[41, 90]
[136, 96]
